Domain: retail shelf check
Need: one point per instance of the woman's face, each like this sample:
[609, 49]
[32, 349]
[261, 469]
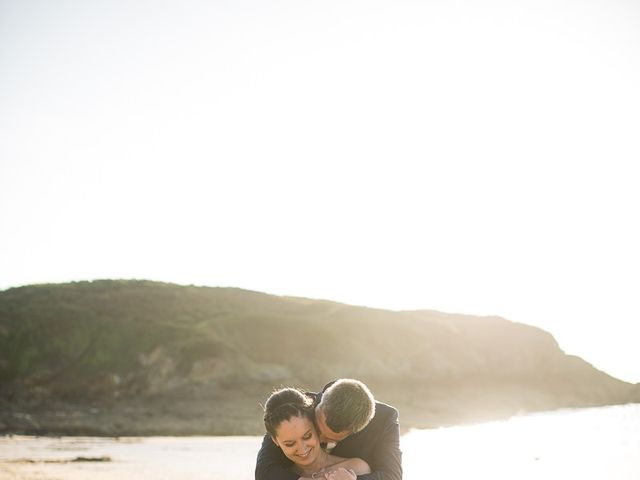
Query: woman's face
[298, 440]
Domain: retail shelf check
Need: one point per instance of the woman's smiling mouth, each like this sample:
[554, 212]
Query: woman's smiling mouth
[305, 455]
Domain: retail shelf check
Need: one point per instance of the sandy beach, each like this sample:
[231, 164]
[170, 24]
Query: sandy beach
[590, 444]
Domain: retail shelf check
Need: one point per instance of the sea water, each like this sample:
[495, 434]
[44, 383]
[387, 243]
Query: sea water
[587, 444]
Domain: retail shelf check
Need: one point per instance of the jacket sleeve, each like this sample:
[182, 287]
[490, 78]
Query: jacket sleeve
[387, 464]
[271, 463]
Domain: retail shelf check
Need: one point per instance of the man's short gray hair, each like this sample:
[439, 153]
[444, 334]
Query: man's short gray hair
[348, 405]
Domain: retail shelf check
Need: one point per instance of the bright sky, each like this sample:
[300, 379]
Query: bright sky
[463, 156]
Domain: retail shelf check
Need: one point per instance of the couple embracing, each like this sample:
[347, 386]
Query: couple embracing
[338, 434]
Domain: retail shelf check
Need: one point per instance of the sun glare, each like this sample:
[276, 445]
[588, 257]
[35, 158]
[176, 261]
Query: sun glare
[455, 156]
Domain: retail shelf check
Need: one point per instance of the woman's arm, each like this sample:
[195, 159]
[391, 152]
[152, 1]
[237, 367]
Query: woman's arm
[346, 469]
[357, 465]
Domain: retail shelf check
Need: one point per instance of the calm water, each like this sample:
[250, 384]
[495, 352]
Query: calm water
[602, 443]
[589, 444]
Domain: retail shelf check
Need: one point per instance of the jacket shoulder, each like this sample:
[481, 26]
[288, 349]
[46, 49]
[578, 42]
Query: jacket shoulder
[386, 411]
[384, 417]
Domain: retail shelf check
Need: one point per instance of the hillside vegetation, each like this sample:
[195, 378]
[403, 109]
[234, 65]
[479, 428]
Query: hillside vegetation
[138, 357]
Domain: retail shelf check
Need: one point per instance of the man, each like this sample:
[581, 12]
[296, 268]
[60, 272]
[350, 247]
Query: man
[352, 424]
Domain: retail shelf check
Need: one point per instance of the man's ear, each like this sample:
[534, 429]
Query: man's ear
[275, 441]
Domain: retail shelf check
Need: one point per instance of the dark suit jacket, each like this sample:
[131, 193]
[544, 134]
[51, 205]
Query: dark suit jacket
[378, 444]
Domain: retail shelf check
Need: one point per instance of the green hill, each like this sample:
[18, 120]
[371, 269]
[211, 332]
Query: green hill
[139, 357]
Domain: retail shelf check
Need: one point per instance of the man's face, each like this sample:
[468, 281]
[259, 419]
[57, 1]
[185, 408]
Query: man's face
[324, 432]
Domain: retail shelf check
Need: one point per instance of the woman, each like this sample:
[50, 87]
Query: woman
[288, 418]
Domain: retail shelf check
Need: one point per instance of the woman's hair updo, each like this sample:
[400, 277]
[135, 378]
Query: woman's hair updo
[284, 404]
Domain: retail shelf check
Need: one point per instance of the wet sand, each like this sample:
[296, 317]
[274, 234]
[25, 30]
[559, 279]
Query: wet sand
[127, 458]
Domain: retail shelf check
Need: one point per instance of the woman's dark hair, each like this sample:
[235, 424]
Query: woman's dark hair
[284, 404]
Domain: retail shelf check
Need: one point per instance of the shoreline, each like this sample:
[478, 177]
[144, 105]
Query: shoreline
[179, 428]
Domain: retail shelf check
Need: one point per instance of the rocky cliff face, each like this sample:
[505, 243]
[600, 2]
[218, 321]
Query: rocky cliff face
[119, 357]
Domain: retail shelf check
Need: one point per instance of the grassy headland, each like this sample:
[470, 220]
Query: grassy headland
[138, 357]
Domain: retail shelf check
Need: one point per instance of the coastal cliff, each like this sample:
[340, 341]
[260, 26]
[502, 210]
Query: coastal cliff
[146, 358]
